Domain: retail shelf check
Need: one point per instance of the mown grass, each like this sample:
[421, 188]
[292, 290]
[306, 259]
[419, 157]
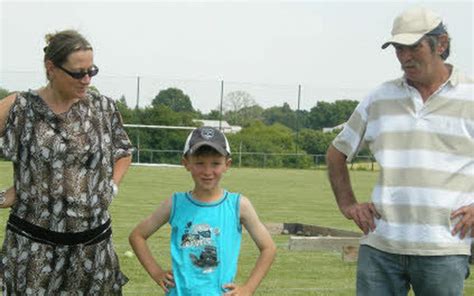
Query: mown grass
[279, 195]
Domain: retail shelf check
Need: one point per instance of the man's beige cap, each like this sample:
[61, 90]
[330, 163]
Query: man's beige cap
[410, 26]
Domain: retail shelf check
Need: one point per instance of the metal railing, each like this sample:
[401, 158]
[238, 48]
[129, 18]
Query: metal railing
[255, 159]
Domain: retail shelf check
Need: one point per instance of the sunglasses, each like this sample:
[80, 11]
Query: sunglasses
[92, 71]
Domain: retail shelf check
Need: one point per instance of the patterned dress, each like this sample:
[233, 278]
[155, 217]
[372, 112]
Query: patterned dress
[63, 167]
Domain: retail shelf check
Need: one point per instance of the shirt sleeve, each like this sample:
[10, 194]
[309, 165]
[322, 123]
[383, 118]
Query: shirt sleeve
[12, 131]
[122, 147]
[351, 138]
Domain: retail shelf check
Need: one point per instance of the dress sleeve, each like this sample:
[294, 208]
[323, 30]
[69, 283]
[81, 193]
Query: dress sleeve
[122, 147]
[351, 138]
[12, 131]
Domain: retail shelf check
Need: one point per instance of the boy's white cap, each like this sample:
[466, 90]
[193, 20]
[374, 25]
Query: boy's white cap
[206, 136]
[412, 24]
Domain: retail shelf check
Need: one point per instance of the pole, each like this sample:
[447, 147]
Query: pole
[297, 118]
[240, 154]
[138, 92]
[138, 147]
[137, 119]
[222, 99]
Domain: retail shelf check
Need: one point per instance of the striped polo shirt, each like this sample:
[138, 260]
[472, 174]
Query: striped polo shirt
[426, 155]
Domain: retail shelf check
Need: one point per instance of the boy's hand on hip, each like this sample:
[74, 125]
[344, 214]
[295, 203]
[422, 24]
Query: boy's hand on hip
[165, 279]
[235, 290]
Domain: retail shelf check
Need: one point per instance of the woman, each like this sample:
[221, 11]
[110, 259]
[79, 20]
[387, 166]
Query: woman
[69, 152]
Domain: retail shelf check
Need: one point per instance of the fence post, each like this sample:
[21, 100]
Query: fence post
[138, 148]
[240, 154]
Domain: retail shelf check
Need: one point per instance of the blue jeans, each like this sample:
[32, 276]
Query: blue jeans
[381, 273]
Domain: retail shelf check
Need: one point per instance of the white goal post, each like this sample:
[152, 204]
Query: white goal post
[145, 126]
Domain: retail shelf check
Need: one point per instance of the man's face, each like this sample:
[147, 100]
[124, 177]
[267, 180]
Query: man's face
[417, 61]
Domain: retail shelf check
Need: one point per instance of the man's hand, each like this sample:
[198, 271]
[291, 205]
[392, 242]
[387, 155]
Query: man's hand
[466, 222]
[363, 215]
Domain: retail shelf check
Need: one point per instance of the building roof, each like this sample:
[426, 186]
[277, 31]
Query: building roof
[330, 129]
[224, 125]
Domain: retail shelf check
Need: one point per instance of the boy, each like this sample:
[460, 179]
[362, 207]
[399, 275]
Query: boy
[206, 227]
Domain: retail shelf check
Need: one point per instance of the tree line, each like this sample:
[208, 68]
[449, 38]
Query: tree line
[272, 137]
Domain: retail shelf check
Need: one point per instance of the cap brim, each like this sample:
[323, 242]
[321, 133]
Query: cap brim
[403, 39]
[218, 148]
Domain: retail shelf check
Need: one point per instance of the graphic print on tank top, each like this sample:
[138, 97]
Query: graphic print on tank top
[199, 238]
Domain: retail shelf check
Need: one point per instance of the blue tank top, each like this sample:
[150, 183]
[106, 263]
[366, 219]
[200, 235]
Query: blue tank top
[205, 243]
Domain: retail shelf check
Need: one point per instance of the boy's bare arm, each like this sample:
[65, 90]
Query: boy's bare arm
[265, 244]
[138, 238]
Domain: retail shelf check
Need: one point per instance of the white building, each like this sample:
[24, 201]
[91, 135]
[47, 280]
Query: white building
[224, 125]
[330, 129]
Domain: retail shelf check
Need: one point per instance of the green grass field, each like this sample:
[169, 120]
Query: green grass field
[302, 196]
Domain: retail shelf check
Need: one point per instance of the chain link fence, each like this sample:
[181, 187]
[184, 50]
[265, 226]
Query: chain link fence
[206, 95]
[253, 159]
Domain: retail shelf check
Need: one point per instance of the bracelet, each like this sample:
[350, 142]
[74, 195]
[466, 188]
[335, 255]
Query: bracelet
[114, 189]
[3, 196]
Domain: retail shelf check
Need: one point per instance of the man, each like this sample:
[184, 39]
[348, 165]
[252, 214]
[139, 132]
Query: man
[420, 128]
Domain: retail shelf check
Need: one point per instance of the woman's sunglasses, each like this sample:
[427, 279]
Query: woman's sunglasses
[92, 71]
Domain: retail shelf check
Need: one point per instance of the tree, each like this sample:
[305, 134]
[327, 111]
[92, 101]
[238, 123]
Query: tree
[3, 93]
[326, 114]
[283, 115]
[302, 119]
[269, 144]
[240, 108]
[175, 99]
[212, 115]
[244, 116]
[94, 89]
[315, 142]
[159, 139]
[236, 100]
[125, 111]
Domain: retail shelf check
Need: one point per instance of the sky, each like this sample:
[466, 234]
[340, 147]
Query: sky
[266, 48]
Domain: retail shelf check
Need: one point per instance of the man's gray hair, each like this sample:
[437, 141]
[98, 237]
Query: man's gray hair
[432, 38]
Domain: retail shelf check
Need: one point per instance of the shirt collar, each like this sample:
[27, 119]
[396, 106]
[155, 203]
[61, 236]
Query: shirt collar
[453, 79]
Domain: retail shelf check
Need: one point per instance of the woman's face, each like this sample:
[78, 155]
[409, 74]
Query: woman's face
[65, 83]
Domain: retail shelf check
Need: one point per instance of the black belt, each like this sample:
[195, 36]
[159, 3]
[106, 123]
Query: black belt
[45, 236]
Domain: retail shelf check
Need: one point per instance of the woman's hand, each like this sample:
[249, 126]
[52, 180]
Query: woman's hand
[10, 198]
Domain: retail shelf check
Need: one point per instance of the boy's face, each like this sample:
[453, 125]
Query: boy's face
[206, 170]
